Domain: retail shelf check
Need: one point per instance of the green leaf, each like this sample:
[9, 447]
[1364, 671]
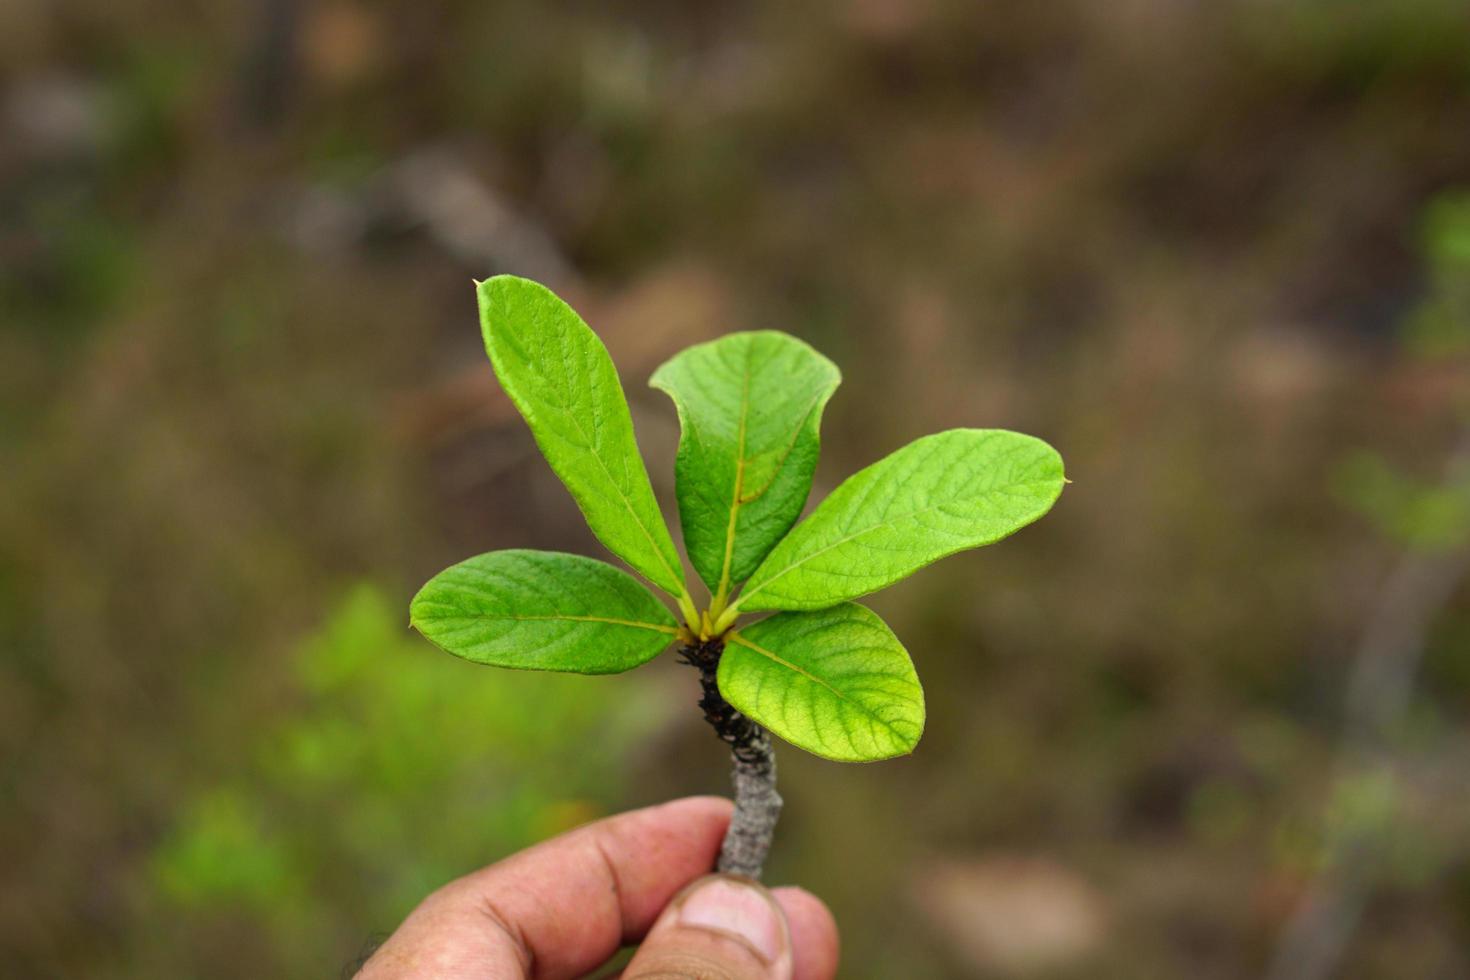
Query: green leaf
[542, 610]
[835, 682]
[561, 379]
[750, 405]
[938, 495]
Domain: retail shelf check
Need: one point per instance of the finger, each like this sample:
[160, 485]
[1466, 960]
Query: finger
[721, 928]
[814, 939]
[559, 909]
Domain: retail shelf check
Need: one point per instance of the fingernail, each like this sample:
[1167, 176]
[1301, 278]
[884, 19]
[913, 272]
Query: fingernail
[740, 910]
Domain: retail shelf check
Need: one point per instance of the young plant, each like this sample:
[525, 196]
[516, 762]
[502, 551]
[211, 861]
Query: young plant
[822, 672]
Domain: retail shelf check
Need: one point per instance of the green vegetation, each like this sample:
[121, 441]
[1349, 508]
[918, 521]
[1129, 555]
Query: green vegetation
[379, 786]
[828, 676]
[1427, 512]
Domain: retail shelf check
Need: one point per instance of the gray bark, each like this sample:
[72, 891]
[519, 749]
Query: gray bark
[757, 804]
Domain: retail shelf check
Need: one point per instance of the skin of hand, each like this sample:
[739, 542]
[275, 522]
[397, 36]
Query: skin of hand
[561, 909]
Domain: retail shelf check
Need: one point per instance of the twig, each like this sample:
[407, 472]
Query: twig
[1378, 695]
[757, 804]
[467, 218]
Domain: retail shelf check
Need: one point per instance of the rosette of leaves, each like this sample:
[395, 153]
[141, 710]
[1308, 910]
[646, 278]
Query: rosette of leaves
[781, 637]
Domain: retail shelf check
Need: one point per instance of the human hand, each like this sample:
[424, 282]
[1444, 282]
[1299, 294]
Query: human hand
[561, 909]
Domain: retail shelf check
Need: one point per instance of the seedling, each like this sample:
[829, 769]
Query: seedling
[821, 671]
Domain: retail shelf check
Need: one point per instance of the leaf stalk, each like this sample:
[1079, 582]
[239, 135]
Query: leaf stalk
[687, 610]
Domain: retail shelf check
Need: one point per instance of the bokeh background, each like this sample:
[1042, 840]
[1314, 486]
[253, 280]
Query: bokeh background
[1211, 718]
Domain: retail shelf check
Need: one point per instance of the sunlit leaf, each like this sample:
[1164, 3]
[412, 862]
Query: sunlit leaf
[938, 495]
[750, 405]
[561, 379]
[542, 610]
[835, 682]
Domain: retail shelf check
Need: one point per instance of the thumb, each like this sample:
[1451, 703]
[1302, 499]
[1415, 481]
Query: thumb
[721, 927]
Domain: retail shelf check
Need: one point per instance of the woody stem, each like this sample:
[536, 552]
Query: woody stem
[757, 804]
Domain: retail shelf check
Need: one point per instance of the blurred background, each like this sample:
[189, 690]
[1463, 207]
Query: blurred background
[1211, 718]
